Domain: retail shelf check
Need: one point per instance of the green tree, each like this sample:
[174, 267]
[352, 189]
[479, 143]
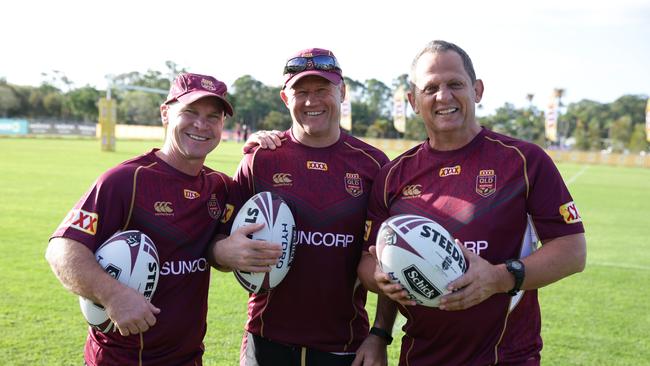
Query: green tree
[9, 102]
[139, 108]
[253, 101]
[377, 95]
[415, 129]
[638, 140]
[594, 135]
[581, 136]
[275, 120]
[587, 110]
[379, 129]
[620, 133]
[82, 103]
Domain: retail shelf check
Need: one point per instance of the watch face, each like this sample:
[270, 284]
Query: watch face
[515, 265]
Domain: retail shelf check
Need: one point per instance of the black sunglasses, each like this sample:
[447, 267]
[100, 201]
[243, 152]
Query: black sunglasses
[322, 62]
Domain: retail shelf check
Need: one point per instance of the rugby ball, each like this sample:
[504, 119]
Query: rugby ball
[421, 255]
[131, 258]
[270, 209]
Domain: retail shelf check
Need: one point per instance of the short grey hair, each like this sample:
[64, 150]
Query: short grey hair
[439, 46]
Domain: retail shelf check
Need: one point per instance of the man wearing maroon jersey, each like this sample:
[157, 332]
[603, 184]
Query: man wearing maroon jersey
[496, 195]
[316, 315]
[172, 197]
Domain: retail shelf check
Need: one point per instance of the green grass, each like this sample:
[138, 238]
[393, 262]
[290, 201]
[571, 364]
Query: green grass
[598, 317]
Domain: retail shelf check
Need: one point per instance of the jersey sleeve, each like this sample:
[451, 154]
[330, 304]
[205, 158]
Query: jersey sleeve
[549, 202]
[100, 212]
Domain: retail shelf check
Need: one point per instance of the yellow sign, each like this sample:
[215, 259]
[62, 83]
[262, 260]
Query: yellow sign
[399, 110]
[346, 111]
[551, 120]
[107, 119]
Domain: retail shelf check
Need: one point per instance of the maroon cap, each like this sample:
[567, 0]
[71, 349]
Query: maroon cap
[334, 76]
[188, 88]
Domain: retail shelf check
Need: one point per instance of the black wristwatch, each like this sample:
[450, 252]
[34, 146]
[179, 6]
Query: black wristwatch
[382, 334]
[517, 268]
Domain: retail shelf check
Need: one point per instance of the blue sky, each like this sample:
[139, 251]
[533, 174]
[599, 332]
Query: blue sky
[594, 51]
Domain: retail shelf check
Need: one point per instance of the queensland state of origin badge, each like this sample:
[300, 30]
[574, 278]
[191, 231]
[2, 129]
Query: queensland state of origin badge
[486, 182]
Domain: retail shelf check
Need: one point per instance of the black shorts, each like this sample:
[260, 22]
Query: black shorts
[264, 352]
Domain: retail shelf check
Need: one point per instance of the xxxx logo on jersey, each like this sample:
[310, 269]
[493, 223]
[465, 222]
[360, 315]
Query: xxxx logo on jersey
[190, 195]
[452, 170]
[316, 165]
[570, 213]
[82, 220]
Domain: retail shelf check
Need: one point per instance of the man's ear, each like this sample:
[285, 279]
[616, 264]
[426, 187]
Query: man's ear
[410, 95]
[343, 90]
[284, 97]
[164, 114]
[478, 90]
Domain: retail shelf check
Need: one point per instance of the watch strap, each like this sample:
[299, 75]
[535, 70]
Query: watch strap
[381, 333]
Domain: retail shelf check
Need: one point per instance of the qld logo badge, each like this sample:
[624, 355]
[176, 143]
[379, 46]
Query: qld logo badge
[486, 182]
[353, 184]
[213, 207]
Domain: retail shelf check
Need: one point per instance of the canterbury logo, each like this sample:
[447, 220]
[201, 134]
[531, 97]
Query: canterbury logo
[317, 165]
[413, 190]
[454, 170]
[162, 207]
[282, 178]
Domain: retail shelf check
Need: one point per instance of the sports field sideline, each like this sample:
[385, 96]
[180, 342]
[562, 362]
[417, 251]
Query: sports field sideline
[598, 317]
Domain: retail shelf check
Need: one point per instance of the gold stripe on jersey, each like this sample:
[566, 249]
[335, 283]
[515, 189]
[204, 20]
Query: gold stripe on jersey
[268, 301]
[503, 331]
[363, 152]
[303, 356]
[356, 312]
[523, 158]
[409, 318]
[141, 348]
[135, 179]
[391, 172]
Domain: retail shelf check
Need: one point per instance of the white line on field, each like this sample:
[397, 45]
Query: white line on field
[619, 265]
[576, 175]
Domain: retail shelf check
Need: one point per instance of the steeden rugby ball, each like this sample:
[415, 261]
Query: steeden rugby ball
[421, 255]
[131, 258]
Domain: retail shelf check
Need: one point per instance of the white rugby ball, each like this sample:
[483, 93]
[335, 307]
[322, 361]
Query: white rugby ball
[421, 255]
[270, 209]
[131, 258]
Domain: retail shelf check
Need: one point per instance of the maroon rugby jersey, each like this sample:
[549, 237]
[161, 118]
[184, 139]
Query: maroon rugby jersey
[180, 214]
[320, 303]
[484, 194]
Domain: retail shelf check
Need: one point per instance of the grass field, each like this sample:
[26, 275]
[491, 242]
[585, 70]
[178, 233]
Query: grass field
[598, 317]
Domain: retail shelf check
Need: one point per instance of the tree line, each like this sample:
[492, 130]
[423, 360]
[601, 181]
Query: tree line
[585, 125]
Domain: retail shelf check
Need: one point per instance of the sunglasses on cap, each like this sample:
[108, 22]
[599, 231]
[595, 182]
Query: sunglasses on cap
[321, 62]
